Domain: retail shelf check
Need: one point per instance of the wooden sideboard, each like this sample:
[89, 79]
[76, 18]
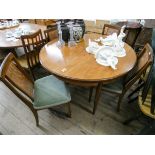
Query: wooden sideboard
[95, 25]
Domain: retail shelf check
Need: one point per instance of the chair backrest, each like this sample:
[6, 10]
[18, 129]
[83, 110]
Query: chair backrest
[147, 83]
[145, 59]
[131, 35]
[51, 33]
[109, 29]
[32, 45]
[16, 78]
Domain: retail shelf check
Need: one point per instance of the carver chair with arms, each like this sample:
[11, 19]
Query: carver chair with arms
[43, 93]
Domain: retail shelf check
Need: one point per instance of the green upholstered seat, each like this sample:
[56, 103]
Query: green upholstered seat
[50, 91]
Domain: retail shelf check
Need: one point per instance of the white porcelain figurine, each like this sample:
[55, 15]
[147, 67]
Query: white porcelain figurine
[121, 36]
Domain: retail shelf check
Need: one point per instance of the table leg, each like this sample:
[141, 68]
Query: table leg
[97, 96]
[90, 93]
[13, 50]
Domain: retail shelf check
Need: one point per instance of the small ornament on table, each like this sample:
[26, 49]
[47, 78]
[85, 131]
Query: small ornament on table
[121, 36]
[71, 41]
[60, 42]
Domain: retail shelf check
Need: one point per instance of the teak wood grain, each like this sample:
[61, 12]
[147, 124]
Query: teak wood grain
[76, 64]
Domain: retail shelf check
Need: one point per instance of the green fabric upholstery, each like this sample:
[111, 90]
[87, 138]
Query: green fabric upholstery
[50, 91]
[116, 86]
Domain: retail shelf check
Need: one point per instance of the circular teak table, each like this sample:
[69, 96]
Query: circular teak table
[75, 66]
[14, 44]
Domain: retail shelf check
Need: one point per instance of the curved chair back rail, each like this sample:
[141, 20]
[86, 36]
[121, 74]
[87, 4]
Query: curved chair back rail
[109, 29]
[145, 59]
[131, 35]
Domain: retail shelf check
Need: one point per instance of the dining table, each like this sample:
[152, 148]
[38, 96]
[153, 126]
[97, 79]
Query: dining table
[75, 66]
[5, 43]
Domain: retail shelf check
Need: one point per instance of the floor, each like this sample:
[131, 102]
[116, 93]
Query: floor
[17, 119]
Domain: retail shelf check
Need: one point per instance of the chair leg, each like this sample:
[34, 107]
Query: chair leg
[33, 76]
[69, 109]
[119, 101]
[97, 96]
[13, 50]
[90, 93]
[36, 117]
[136, 90]
[35, 113]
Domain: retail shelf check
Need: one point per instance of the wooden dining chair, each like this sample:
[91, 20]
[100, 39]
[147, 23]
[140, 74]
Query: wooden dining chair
[43, 93]
[121, 86]
[50, 33]
[32, 45]
[131, 35]
[146, 103]
[145, 59]
[147, 35]
[109, 29]
[145, 81]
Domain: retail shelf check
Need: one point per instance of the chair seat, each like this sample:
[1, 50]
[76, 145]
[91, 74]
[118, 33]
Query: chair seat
[50, 91]
[115, 87]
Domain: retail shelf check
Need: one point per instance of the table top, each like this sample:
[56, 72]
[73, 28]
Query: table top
[75, 63]
[13, 44]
